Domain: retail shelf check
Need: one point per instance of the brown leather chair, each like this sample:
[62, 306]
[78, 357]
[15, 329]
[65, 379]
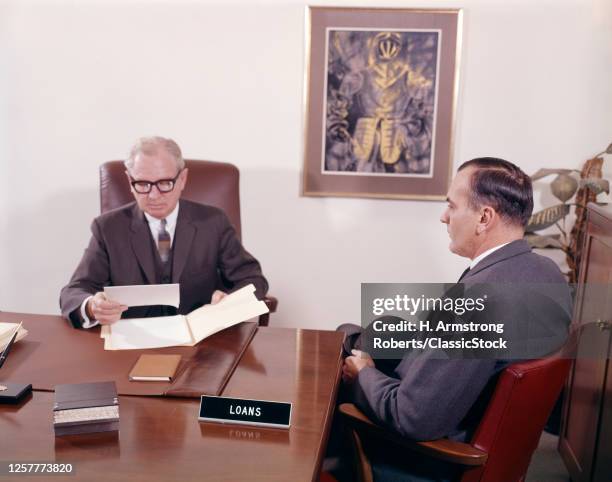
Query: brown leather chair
[212, 183]
[505, 439]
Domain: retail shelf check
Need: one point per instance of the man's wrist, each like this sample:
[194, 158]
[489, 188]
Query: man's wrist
[88, 320]
[87, 307]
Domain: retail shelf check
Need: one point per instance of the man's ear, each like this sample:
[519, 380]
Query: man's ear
[487, 217]
[184, 174]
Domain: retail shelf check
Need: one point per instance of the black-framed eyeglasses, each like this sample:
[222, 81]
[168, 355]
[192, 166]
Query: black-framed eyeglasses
[163, 185]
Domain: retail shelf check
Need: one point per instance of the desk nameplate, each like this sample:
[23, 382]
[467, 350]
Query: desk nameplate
[244, 411]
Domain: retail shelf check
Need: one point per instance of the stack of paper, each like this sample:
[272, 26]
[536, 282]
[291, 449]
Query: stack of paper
[145, 295]
[183, 330]
[6, 332]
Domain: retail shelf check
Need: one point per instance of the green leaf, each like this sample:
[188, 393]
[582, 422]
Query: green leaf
[547, 172]
[547, 217]
[595, 184]
[544, 242]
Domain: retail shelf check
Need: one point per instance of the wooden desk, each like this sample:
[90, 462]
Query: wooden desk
[55, 353]
[160, 438]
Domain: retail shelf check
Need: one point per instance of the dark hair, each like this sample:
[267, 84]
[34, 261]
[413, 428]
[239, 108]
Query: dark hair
[503, 186]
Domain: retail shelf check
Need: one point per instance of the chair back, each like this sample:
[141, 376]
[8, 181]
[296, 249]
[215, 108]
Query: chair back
[208, 182]
[515, 416]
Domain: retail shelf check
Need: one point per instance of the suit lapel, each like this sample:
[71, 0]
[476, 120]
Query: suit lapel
[183, 238]
[515, 248]
[141, 244]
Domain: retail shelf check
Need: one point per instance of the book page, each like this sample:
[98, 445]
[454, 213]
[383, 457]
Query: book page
[206, 323]
[142, 333]
[7, 331]
[145, 295]
[235, 308]
[244, 294]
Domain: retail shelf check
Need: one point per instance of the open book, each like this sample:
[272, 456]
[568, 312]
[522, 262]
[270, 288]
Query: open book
[7, 330]
[183, 330]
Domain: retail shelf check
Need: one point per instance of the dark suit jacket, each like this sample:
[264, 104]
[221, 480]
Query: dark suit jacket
[121, 252]
[427, 397]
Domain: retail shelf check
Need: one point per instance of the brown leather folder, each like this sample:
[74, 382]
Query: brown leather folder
[54, 353]
[213, 362]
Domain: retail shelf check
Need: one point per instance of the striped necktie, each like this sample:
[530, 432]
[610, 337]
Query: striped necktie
[164, 243]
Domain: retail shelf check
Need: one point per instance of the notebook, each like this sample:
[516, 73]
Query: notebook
[6, 332]
[155, 368]
[85, 408]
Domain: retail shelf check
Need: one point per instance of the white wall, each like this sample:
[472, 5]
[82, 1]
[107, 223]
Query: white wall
[80, 81]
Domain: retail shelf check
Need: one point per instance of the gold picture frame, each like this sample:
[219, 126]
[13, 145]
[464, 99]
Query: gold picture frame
[380, 96]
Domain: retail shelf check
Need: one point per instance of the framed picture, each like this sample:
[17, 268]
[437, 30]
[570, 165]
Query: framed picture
[381, 89]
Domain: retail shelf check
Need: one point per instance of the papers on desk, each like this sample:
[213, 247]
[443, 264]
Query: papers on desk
[145, 295]
[183, 330]
[6, 333]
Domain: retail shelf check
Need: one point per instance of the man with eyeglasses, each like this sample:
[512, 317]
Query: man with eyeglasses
[157, 239]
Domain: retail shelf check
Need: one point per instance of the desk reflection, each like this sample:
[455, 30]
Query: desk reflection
[244, 433]
[88, 446]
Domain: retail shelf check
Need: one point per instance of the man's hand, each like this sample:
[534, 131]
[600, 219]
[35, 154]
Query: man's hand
[354, 364]
[217, 296]
[103, 309]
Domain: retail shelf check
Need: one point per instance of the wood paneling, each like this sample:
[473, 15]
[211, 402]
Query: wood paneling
[585, 442]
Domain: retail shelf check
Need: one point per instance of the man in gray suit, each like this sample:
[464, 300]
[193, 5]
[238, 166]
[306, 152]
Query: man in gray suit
[157, 239]
[424, 396]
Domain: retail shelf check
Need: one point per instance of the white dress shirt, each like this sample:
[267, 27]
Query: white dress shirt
[482, 256]
[154, 225]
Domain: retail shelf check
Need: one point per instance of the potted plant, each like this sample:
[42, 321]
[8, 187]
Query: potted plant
[574, 189]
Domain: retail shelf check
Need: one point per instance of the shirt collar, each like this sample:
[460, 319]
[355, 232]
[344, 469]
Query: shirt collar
[170, 219]
[482, 256]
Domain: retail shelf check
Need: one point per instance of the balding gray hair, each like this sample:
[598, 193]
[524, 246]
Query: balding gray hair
[150, 145]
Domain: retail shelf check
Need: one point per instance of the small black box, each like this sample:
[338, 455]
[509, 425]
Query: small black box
[13, 392]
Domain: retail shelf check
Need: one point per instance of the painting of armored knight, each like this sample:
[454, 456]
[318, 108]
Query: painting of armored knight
[380, 102]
